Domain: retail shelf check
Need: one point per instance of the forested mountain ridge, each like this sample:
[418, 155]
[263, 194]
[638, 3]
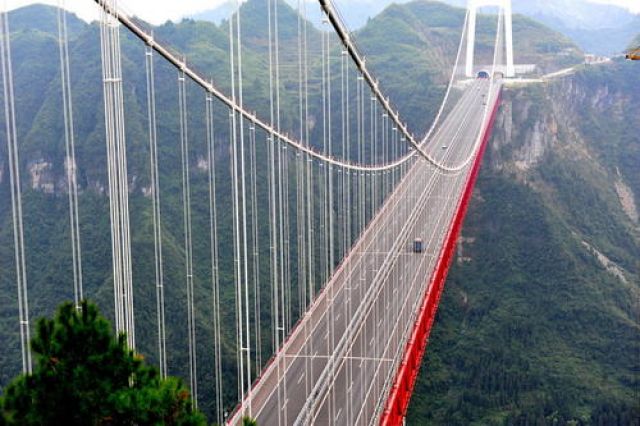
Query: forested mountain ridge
[539, 323]
[410, 48]
[602, 29]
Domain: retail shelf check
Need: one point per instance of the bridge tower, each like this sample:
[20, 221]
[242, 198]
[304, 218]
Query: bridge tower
[473, 6]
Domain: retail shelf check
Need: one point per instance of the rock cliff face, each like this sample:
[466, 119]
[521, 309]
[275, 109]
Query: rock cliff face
[557, 117]
[539, 321]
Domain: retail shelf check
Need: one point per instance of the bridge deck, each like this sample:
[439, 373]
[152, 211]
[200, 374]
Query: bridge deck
[339, 362]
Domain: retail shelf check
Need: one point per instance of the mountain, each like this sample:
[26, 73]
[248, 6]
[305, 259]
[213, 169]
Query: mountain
[355, 13]
[576, 14]
[410, 48]
[42, 18]
[596, 28]
[218, 14]
[539, 321]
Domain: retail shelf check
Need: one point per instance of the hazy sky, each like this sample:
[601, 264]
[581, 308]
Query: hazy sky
[158, 11]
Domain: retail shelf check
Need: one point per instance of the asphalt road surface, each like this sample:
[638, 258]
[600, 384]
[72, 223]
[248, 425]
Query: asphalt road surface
[338, 364]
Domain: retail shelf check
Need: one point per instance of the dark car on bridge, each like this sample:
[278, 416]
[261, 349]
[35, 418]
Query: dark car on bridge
[483, 74]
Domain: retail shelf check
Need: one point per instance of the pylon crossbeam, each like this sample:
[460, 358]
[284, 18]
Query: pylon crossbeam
[473, 7]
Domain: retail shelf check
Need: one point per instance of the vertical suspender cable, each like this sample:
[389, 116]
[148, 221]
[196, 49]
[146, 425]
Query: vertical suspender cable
[215, 274]
[236, 262]
[310, 193]
[70, 151]
[255, 244]
[385, 152]
[273, 227]
[243, 198]
[284, 199]
[308, 166]
[237, 247]
[348, 156]
[373, 140]
[124, 193]
[324, 222]
[117, 171]
[357, 192]
[300, 186]
[362, 187]
[277, 326]
[188, 245]
[358, 155]
[282, 202]
[323, 181]
[16, 198]
[301, 196]
[280, 194]
[273, 223]
[329, 230]
[326, 148]
[155, 200]
[330, 205]
[347, 224]
[345, 155]
[105, 45]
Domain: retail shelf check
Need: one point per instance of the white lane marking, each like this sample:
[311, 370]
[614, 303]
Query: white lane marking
[350, 358]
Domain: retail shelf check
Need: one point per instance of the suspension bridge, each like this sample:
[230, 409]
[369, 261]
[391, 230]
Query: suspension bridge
[319, 226]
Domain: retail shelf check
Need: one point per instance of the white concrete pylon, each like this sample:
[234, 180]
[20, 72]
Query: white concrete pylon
[473, 6]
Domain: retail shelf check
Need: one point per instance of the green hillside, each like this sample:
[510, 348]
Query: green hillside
[533, 327]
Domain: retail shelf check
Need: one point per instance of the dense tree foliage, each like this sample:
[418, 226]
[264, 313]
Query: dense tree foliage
[86, 375]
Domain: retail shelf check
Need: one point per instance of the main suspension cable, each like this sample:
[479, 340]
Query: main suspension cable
[276, 131]
[418, 145]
